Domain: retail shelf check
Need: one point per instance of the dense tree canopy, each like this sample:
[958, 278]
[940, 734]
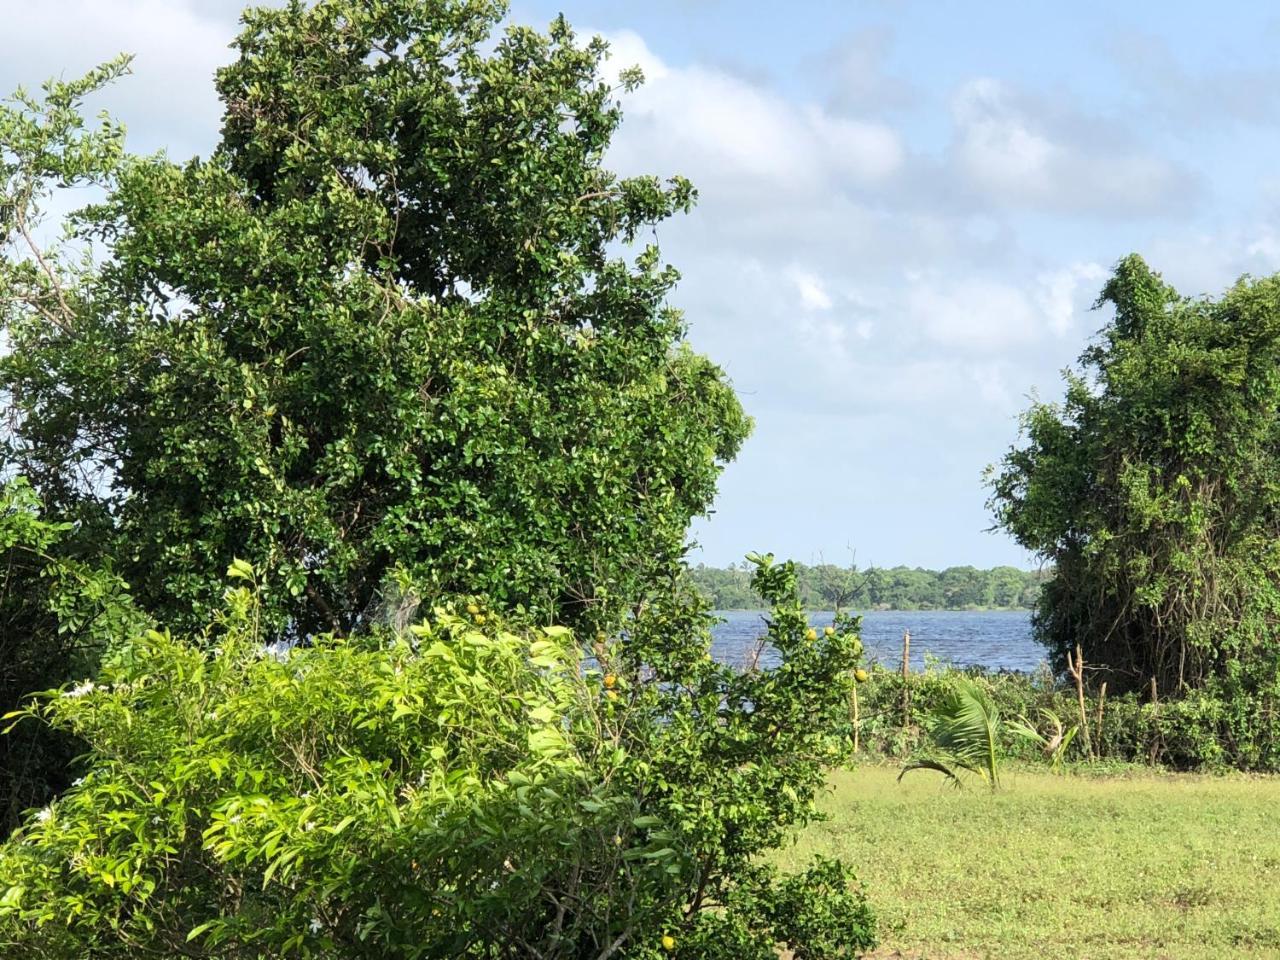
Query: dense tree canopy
[826, 586]
[1154, 488]
[385, 328]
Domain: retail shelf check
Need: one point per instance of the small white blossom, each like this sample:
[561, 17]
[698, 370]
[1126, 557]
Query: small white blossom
[81, 690]
[316, 925]
[45, 815]
[77, 781]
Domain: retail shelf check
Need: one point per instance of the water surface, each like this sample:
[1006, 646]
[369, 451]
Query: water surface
[999, 640]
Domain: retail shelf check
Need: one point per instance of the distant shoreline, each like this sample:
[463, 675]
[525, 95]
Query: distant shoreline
[881, 588]
[765, 610]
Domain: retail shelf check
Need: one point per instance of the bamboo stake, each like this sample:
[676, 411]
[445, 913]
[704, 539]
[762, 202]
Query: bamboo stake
[906, 678]
[1102, 705]
[1076, 670]
[1155, 722]
[856, 720]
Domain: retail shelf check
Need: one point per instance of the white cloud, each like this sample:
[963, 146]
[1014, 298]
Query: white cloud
[1060, 293]
[813, 296]
[1015, 151]
[169, 101]
[972, 314]
[990, 381]
[733, 136]
[856, 69]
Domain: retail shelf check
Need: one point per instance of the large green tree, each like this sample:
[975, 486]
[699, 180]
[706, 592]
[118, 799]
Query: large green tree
[1154, 490]
[395, 326]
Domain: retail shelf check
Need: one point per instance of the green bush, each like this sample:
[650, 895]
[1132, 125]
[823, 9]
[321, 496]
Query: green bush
[1212, 729]
[57, 617]
[469, 788]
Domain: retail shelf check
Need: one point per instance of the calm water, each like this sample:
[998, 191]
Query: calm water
[999, 640]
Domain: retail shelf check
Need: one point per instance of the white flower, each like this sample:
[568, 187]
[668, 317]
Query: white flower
[77, 781]
[45, 815]
[309, 825]
[316, 925]
[81, 690]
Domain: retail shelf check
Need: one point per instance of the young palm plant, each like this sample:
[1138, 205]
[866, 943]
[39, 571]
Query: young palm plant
[965, 737]
[1055, 743]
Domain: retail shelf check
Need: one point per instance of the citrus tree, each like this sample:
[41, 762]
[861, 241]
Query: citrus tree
[465, 788]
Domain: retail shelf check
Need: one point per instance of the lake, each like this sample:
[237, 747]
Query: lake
[999, 640]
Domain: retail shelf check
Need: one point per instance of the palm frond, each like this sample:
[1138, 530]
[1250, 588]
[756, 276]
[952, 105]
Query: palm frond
[1053, 745]
[965, 730]
[925, 763]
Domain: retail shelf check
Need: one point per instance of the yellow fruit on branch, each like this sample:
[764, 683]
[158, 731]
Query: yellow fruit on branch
[610, 681]
[861, 675]
[472, 609]
[668, 943]
[829, 631]
[811, 634]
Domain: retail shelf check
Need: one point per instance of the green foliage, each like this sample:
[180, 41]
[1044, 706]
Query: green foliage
[1055, 743]
[386, 325]
[393, 342]
[826, 586]
[965, 736]
[1198, 731]
[1152, 489]
[57, 617]
[467, 789]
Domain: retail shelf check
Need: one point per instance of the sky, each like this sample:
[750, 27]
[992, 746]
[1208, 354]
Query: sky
[906, 212]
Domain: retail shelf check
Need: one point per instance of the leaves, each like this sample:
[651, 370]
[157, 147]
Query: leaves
[351, 341]
[964, 733]
[1151, 489]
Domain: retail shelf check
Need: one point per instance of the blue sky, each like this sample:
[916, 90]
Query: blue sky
[906, 211]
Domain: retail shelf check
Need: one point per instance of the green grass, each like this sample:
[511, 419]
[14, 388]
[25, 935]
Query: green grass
[1123, 866]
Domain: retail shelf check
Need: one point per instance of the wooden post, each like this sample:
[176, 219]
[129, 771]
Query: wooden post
[1102, 705]
[906, 678]
[856, 721]
[1076, 670]
[1155, 723]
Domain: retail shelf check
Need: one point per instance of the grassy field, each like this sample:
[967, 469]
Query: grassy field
[1129, 865]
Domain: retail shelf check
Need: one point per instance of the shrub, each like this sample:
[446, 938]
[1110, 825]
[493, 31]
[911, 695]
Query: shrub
[57, 617]
[470, 788]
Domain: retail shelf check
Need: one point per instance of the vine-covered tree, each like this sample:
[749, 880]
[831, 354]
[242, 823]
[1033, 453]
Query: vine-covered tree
[386, 326]
[1154, 489]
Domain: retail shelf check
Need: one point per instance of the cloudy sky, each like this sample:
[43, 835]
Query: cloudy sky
[906, 211]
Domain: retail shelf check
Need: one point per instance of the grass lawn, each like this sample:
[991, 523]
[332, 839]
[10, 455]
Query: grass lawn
[1075, 866]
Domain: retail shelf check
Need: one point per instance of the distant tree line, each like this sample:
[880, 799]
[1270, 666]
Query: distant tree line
[828, 586]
